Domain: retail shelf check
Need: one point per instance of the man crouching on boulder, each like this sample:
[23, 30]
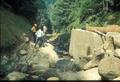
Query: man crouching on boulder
[40, 37]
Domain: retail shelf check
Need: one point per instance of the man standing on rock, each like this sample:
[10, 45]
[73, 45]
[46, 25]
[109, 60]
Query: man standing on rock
[40, 36]
[45, 31]
[34, 29]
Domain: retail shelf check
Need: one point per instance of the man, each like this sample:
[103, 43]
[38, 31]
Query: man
[45, 31]
[34, 29]
[39, 37]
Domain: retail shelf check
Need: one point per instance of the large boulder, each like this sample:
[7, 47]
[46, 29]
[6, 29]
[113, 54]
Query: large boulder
[39, 58]
[116, 37]
[8, 62]
[23, 52]
[67, 65]
[51, 72]
[16, 76]
[37, 62]
[49, 51]
[91, 74]
[109, 67]
[118, 78]
[95, 60]
[90, 64]
[22, 68]
[25, 38]
[82, 62]
[41, 67]
[83, 43]
[69, 75]
[117, 53]
[53, 78]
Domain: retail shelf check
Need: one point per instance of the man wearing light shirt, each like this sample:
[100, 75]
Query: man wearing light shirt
[39, 37]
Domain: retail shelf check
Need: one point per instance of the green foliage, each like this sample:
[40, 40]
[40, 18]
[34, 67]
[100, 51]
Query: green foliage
[49, 2]
[64, 14]
[59, 14]
[113, 18]
[68, 14]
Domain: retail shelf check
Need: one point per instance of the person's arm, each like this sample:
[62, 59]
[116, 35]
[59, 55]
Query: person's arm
[32, 28]
[36, 33]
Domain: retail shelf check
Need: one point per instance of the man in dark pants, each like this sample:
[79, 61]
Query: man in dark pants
[34, 29]
[45, 31]
[41, 37]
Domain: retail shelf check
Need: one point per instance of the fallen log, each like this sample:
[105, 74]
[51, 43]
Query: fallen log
[109, 28]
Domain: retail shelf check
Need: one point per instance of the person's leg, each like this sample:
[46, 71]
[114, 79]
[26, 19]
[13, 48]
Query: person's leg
[40, 41]
[36, 41]
[45, 38]
[34, 37]
[43, 41]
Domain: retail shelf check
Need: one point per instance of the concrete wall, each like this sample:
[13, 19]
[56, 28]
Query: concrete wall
[83, 43]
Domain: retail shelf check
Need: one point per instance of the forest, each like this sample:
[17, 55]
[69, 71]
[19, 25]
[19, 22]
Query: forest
[64, 15]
